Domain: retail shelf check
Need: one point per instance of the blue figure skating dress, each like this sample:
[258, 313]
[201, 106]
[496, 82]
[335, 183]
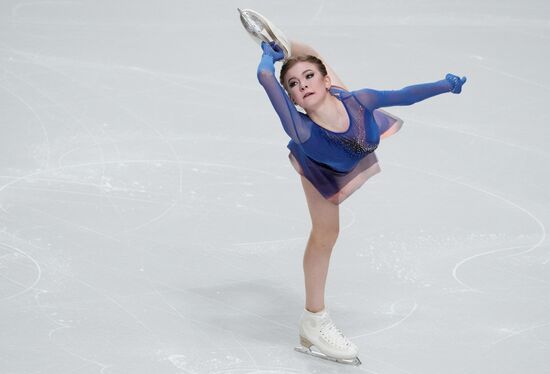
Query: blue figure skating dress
[338, 163]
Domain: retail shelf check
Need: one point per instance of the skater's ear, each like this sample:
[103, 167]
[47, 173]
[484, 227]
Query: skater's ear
[328, 82]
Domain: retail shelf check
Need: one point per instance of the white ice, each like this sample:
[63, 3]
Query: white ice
[150, 221]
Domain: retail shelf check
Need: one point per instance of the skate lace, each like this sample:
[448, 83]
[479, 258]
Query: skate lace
[333, 335]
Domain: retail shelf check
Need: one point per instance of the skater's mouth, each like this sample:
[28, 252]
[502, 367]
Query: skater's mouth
[308, 94]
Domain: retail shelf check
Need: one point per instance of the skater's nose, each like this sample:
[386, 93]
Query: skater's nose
[303, 86]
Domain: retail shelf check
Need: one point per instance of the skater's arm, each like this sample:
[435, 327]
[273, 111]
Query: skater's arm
[289, 116]
[409, 95]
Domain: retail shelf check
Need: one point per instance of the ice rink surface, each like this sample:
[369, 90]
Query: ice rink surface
[150, 221]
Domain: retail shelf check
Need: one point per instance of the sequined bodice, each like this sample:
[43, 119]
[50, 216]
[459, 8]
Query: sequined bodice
[362, 137]
[355, 147]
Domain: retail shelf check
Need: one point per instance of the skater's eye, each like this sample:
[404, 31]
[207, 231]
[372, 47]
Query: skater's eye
[292, 84]
[309, 76]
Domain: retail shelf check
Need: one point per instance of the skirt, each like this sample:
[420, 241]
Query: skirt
[336, 186]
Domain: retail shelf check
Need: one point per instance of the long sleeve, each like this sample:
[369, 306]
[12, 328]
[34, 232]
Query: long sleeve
[373, 99]
[290, 118]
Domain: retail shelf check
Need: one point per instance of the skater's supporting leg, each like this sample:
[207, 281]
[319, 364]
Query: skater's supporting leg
[299, 48]
[324, 232]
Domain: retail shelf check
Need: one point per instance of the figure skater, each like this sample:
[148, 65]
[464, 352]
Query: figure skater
[332, 149]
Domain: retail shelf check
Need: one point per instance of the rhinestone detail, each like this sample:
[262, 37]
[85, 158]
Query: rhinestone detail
[353, 140]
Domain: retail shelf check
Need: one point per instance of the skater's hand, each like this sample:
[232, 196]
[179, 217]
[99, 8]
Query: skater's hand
[273, 50]
[456, 82]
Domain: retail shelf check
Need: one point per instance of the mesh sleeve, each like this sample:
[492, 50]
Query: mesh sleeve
[292, 122]
[409, 95]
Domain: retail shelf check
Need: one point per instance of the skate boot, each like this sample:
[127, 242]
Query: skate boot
[317, 329]
[261, 30]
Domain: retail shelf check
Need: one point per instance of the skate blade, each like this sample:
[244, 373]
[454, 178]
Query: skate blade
[254, 26]
[348, 361]
[261, 31]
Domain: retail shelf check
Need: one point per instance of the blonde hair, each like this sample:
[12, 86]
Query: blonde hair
[304, 58]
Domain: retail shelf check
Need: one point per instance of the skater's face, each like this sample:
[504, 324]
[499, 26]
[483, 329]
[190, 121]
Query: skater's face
[306, 85]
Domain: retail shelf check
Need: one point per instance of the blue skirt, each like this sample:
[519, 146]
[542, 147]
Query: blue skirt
[335, 185]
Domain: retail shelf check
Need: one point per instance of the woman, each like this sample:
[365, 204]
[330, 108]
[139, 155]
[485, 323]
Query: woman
[332, 148]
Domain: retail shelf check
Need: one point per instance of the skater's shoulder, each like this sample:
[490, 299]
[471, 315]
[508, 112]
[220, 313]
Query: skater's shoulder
[339, 92]
[338, 88]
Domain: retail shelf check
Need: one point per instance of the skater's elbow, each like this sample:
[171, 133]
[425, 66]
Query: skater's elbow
[264, 75]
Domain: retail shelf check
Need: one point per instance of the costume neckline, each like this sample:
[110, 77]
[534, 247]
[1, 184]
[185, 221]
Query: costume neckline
[338, 96]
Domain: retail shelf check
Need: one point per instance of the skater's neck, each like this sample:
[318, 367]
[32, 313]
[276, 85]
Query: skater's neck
[330, 114]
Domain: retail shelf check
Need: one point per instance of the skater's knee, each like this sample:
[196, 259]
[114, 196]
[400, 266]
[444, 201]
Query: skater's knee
[325, 233]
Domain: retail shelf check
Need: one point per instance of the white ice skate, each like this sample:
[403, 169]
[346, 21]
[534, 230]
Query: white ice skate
[318, 330]
[261, 30]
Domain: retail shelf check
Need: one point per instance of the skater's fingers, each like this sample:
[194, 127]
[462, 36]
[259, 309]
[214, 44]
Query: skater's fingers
[276, 47]
[266, 47]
